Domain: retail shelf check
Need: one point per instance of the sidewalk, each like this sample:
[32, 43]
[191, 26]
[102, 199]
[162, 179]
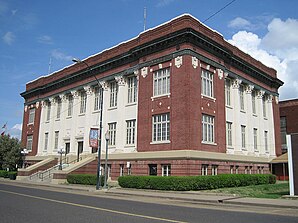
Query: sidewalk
[190, 196]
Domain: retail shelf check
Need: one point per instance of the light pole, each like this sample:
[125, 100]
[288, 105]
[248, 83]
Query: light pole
[107, 136]
[98, 180]
[24, 152]
[61, 152]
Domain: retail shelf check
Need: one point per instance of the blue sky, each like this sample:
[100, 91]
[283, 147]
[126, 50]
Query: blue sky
[33, 31]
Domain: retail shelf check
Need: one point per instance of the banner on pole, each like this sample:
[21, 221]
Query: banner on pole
[93, 138]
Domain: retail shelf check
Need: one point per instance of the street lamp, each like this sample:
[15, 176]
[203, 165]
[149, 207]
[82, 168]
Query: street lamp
[107, 136]
[24, 152]
[98, 179]
[61, 151]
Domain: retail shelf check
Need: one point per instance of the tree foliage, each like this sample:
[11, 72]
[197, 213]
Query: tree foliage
[10, 152]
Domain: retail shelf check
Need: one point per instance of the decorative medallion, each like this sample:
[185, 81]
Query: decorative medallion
[178, 61]
[220, 73]
[104, 85]
[144, 72]
[195, 62]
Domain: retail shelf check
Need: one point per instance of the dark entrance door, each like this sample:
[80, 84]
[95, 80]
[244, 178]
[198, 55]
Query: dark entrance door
[80, 149]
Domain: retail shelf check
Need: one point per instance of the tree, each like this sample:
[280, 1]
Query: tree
[10, 152]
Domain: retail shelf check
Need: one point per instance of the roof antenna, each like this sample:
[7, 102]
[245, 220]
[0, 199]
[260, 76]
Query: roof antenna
[145, 15]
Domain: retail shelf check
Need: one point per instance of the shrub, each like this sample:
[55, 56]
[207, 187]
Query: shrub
[4, 173]
[86, 179]
[8, 174]
[185, 183]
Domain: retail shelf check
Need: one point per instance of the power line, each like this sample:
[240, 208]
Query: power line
[219, 11]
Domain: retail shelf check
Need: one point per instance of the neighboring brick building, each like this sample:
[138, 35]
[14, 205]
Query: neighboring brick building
[177, 100]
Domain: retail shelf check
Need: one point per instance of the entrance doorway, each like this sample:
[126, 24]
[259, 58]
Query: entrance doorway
[80, 149]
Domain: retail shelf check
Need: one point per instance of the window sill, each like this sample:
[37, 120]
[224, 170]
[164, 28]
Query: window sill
[83, 114]
[130, 146]
[229, 106]
[47, 121]
[265, 118]
[68, 117]
[242, 111]
[112, 108]
[209, 143]
[96, 111]
[160, 142]
[255, 115]
[161, 95]
[58, 119]
[131, 104]
[32, 123]
[206, 96]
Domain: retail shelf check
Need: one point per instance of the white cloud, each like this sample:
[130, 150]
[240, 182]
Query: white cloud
[45, 39]
[276, 50]
[239, 23]
[16, 131]
[9, 38]
[14, 12]
[58, 55]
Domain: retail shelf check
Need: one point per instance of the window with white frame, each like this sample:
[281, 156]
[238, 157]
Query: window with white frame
[121, 170]
[132, 89]
[97, 98]
[255, 132]
[231, 169]
[253, 102]
[229, 133]
[130, 132]
[166, 170]
[243, 136]
[266, 140]
[246, 170]
[113, 94]
[250, 170]
[207, 83]
[228, 92]
[83, 102]
[112, 133]
[204, 169]
[56, 140]
[31, 115]
[29, 143]
[161, 127]
[59, 104]
[49, 111]
[70, 106]
[241, 97]
[208, 129]
[214, 169]
[46, 141]
[161, 80]
[264, 106]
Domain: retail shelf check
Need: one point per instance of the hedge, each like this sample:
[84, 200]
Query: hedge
[87, 179]
[8, 174]
[186, 183]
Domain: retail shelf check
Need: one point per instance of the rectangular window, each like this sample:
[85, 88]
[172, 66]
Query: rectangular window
[49, 111]
[166, 170]
[237, 170]
[70, 105]
[246, 170]
[214, 169]
[228, 92]
[29, 143]
[253, 102]
[243, 136]
[204, 169]
[130, 132]
[112, 133]
[250, 170]
[207, 83]
[208, 129]
[264, 106]
[283, 132]
[59, 104]
[132, 89]
[161, 80]
[152, 169]
[97, 98]
[46, 141]
[31, 115]
[229, 134]
[83, 102]
[241, 95]
[121, 170]
[266, 140]
[56, 140]
[255, 131]
[113, 94]
[161, 127]
[231, 169]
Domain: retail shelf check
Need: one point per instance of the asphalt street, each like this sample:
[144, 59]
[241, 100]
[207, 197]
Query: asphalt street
[24, 204]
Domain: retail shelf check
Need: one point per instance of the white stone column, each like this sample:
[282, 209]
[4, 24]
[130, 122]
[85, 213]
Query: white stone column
[106, 104]
[249, 123]
[121, 127]
[271, 128]
[73, 127]
[51, 145]
[260, 127]
[86, 147]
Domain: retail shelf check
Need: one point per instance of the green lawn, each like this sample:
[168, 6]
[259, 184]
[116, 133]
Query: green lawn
[260, 191]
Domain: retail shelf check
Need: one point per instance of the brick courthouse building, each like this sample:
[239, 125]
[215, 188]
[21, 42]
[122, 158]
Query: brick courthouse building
[178, 99]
